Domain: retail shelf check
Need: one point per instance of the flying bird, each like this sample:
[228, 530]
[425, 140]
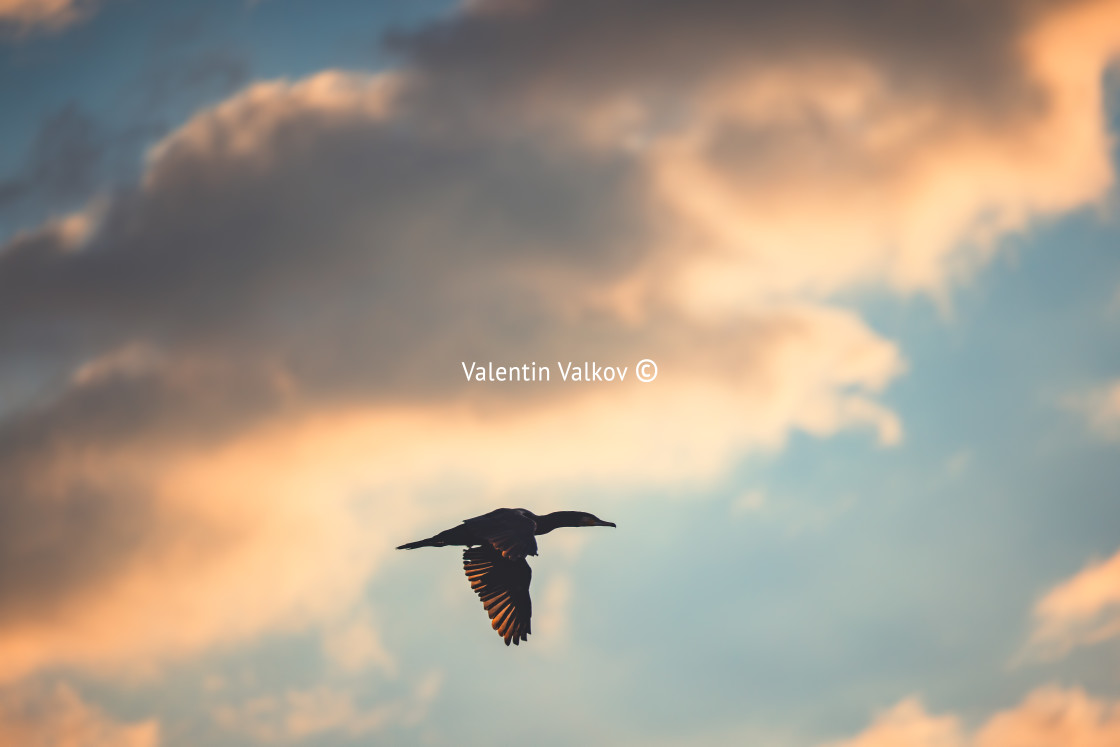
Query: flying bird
[494, 560]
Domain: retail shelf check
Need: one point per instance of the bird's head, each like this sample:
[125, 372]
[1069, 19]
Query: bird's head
[591, 520]
[548, 522]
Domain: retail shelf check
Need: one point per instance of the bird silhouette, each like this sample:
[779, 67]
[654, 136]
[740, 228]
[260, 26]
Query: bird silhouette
[494, 560]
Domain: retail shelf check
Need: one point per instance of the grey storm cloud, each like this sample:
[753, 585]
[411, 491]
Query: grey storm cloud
[959, 52]
[348, 246]
[346, 249]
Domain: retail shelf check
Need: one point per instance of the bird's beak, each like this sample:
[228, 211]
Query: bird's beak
[606, 524]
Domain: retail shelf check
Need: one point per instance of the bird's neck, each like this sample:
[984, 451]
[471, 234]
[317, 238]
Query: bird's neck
[557, 519]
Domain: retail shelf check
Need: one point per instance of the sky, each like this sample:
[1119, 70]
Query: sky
[249, 249]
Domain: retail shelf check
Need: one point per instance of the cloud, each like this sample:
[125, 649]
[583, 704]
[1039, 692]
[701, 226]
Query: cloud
[70, 168]
[135, 556]
[104, 540]
[750, 502]
[1080, 611]
[908, 725]
[26, 16]
[1052, 716]
[300, 714]
[58, 716]
[1101, 408]
[810, 149]
[1048, 716]
[354, 644]
[552, 617]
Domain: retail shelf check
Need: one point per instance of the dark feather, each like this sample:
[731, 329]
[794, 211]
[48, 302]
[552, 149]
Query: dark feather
[502, 584]
[510, 530]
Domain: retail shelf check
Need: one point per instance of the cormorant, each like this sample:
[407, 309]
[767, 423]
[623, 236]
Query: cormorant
[494, 560]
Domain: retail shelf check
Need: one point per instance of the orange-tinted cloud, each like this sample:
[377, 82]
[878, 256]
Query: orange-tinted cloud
[1053, 716]
[300, 714]
[25, 16]
[908, 725]
[58, 717]
[818, 176]
[806, 151]
[217, 520]
[1048, 717]
[1080, 611]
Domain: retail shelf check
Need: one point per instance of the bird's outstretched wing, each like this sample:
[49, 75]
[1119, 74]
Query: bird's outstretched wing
[503, 586]
[510, 530]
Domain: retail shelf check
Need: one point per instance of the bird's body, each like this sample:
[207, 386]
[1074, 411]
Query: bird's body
[494, 560]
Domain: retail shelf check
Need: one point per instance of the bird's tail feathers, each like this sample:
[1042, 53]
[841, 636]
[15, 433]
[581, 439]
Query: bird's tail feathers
[430, 542]
[459, 535]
